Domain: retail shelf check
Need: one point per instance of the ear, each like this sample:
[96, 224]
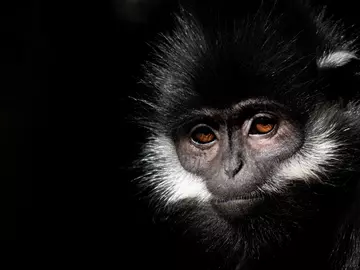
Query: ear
[340, 70]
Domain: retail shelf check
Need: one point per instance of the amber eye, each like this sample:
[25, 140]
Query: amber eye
[262, 125]
[203, 135]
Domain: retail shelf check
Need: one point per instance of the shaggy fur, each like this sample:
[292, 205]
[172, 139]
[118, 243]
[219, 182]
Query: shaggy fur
[280, 52]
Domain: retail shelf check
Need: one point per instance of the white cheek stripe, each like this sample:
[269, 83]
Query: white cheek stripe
[335, 59]
[309, 163]
[171, 181]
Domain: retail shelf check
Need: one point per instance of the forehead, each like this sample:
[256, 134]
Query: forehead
[225, 69]
[241, 109]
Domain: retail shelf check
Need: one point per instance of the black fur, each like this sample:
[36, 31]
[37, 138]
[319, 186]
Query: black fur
[219, 58]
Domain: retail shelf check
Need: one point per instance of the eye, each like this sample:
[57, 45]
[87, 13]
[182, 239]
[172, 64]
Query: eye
[262, 125]
[203, 135]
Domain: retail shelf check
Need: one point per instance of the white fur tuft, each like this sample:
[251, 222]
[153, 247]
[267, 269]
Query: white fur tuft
[318, 154]
[171, 182]
[335, 59]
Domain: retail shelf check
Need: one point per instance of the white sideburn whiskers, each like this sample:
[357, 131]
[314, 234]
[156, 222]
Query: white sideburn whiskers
[171, 182]
[311, 162]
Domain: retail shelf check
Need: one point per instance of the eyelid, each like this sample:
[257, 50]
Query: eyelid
[263, 114]
[201, 125]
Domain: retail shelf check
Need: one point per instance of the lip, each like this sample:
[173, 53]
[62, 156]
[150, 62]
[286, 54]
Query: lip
[254, 195]
[242, 200]
[238, 207]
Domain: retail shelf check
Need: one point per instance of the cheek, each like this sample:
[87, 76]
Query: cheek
[196, 160]
[283, 144]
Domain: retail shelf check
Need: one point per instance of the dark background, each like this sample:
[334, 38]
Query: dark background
[66, 70]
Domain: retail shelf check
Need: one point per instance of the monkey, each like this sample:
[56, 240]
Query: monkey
[251, 120]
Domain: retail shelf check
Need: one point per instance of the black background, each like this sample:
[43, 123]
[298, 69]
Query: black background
[66, 70]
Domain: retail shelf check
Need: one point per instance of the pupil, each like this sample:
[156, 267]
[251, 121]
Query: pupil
[264, 121]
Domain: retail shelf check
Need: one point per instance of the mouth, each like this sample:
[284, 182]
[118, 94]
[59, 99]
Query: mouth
[239, 202]
[238, 207]
[254, 195]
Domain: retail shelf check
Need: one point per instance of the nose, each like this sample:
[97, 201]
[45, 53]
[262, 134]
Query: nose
[232, 167]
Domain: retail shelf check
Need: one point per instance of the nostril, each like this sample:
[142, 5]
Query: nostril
[232, 169]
